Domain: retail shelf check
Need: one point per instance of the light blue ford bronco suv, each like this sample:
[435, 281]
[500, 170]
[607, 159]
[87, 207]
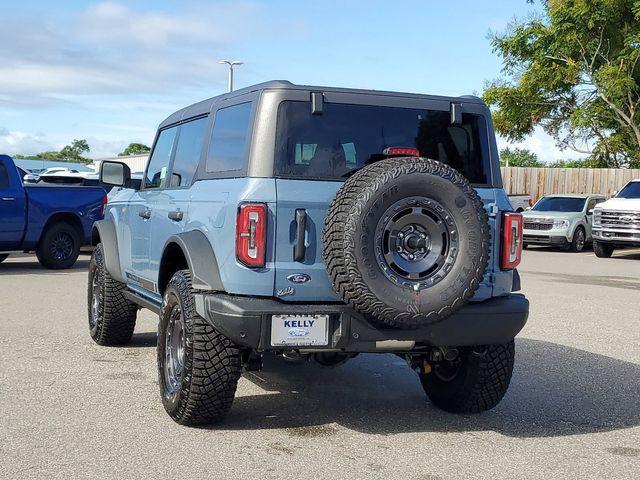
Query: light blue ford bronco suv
[319, 223]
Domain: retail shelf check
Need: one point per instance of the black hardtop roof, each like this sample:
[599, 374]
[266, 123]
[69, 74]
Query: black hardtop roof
[205, 106]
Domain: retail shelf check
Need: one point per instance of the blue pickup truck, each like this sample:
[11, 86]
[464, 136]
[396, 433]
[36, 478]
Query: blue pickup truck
[53, 221]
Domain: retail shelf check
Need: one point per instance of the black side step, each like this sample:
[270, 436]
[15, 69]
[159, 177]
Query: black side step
[142, 301]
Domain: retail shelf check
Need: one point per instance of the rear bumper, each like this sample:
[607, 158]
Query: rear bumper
[247, 322]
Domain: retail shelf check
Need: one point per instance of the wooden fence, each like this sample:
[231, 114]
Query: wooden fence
[538, 182]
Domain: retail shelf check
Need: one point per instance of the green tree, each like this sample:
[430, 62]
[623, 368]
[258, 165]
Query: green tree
[134, 149]
[575, 71]
[519, 157]
[73, 152]
[580, 163]
[69, 153]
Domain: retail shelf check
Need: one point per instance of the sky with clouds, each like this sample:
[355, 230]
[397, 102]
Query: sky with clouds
[111, 71]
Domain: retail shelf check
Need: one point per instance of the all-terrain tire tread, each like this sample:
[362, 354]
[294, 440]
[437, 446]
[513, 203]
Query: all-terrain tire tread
[118, 319]
[339, 231]
[485, 387]
[215, 365]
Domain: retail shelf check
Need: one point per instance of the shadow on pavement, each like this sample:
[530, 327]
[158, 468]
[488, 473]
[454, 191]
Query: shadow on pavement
[547, 249]
[556, 390]
[626, 255]
[629, 283]
[27, 265]
[145, 339]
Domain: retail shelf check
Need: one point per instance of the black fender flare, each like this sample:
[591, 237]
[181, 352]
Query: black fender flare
[106, 231]
[201, 259]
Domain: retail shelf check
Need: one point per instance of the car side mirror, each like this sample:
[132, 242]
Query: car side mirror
[116, 174]
[528, 208]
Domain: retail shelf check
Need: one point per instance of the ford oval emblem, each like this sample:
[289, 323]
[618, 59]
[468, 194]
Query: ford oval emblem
[299, 278]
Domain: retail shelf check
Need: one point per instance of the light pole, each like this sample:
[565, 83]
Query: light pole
[231, 63]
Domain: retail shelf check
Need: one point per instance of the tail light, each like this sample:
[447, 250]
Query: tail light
[401, 152]
[105, 200]
[251, 234]
[511, 240]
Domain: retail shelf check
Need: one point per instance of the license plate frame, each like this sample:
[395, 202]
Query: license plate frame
[300, 330]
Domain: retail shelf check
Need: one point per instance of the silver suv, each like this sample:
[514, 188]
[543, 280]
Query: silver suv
[561, 220]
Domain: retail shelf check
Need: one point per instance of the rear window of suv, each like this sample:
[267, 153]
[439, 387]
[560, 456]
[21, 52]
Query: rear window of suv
[345, 138]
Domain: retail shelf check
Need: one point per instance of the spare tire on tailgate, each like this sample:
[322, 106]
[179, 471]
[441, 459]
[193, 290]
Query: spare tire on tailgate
[406, 241]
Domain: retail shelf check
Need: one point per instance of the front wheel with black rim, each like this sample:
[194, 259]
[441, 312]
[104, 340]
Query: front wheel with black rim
[198, 367]
[112, 317]
[59, 246]
[475, 381]
[578, 241]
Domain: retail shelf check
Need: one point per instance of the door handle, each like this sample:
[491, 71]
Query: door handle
[146, 214]
[301, 229]
[176, 215]
[8, 199]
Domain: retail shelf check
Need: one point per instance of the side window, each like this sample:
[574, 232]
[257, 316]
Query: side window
[592, 203]
[156, 176]
[4, 176]
[228, 147]
[188, 152]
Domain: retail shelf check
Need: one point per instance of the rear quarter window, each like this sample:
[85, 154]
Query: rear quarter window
[229, 139]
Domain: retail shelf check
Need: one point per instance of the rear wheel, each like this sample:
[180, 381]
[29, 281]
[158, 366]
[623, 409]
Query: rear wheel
[112, 317]
[198, 368]
[475, 381]
[578, 241]
[59, 246]
[602, 250]
[3, 257]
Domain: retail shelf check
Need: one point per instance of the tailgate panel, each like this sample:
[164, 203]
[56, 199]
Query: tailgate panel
[315, 197]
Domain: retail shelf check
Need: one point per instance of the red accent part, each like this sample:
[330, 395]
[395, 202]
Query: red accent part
[511, 240]
[401, 151]
[105, 200]
[251, 234]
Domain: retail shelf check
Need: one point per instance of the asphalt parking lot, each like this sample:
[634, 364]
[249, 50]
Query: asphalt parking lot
[72, 409]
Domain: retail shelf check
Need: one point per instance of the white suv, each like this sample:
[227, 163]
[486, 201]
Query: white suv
[616, 222]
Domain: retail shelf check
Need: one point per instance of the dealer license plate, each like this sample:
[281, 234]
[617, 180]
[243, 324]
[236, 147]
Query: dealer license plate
[299, 330]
